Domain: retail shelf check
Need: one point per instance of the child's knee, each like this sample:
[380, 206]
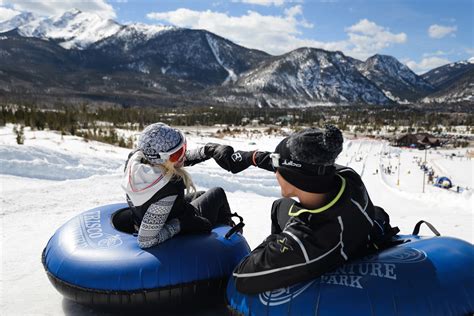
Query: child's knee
[217, 191]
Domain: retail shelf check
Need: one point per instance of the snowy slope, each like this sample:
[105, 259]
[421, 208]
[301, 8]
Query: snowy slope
[214, 45]
[52, 178]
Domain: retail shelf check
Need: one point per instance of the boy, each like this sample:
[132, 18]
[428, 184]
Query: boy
[332, 221]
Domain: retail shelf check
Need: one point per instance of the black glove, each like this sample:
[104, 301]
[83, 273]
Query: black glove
[222, 154]
[230, 160]
[241, 160]
[209, 149]
[195, 225]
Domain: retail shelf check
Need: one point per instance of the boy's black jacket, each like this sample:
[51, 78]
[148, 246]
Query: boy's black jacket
[312, 242]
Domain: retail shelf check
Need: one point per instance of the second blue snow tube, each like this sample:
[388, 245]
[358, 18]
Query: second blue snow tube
[89, 261]
[423, 276]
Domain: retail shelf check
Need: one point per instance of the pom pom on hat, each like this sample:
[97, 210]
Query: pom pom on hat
[317, 146]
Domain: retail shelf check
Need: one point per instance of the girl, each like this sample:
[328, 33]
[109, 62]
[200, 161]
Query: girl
[155, 180]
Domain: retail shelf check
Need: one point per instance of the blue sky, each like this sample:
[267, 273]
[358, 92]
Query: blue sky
[423, 34]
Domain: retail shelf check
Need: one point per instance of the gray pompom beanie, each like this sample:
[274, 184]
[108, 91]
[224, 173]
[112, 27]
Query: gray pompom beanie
[317, 149]
[158, 138]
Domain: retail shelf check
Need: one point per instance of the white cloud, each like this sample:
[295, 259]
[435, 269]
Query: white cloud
[7, 14]
[440, 31]
[366, 38]
[281, 34]
[293, 13]
[274, 34]
[263, 2]
[48, 8]
[426, 64]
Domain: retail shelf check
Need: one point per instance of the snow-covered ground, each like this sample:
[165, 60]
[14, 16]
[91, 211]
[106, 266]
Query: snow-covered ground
[50, 179]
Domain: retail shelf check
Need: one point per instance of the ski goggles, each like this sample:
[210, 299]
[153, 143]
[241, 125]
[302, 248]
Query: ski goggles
[317, 169]
[177, 154]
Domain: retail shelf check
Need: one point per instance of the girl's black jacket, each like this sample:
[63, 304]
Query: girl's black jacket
[313, 242]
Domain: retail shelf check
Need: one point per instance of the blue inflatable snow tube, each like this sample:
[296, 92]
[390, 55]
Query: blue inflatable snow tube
[433, 276]
[91, 262]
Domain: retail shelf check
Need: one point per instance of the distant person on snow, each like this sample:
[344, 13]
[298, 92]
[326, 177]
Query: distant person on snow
[332, 222]
[155, 181]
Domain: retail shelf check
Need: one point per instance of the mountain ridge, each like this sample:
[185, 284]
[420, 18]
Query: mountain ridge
[178, 64]
[454, 82]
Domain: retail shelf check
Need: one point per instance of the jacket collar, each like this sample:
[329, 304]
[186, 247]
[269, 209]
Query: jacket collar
[295, 210]
[141, 181]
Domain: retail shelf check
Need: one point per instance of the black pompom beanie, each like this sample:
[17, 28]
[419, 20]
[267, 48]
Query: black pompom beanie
[316, 147]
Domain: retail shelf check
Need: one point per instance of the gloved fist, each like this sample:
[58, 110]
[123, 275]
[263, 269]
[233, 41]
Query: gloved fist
[195, 225]
[222, 155]
[209, 149]
[241, 160]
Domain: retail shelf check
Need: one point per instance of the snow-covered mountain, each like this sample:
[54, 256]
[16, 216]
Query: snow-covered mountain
[443, 76]
[453, 82]
[311, 76]
[183, 53]
[187, 54]
[33, 66]
[17, 21]
[132, 35]
[395, 79]
[93, 58]
[72, 29]
[41, 70]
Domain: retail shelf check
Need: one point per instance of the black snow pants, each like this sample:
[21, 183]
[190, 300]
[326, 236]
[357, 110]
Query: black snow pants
[211, 204]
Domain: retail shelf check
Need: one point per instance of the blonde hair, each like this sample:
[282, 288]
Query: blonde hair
[169, 169]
